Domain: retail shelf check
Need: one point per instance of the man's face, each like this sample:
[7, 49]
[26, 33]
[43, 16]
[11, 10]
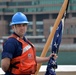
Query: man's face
[20, 29]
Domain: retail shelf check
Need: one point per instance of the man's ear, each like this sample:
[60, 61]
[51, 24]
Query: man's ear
[13, 26]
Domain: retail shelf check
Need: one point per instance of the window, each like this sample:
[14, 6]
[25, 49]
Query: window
[39, 29]
[2, 3]
[12, 3]
[54, 16]
[20, 9]
[39, 26]
[29, 33]
[24, 3]
[40, 17]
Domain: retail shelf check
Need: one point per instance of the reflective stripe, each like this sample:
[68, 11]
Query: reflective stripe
[26, 48]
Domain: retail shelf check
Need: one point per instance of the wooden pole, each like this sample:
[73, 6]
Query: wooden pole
[47, 45]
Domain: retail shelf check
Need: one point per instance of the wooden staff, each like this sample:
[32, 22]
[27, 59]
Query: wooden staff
[47, 45]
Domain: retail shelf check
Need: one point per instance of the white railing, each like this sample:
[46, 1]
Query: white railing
[61, 68]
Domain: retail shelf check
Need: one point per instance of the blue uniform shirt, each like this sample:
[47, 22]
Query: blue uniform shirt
[11, 49]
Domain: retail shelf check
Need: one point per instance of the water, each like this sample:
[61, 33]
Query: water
[64, 58]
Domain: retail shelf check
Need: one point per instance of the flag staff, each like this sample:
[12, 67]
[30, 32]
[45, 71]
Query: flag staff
[47, 45]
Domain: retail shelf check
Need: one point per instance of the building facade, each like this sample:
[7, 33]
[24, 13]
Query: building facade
[41, 15]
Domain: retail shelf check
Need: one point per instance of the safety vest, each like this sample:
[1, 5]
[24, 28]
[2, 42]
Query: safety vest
[26, 63]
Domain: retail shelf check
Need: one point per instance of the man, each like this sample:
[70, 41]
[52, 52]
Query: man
[18, 56]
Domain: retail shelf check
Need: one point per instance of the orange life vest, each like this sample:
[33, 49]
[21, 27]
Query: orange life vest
[27, 61]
